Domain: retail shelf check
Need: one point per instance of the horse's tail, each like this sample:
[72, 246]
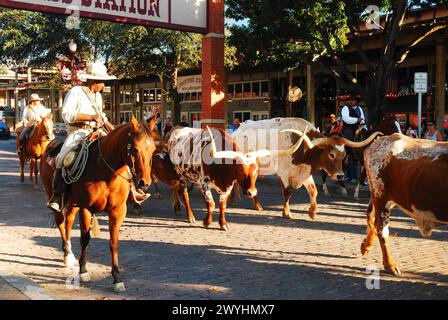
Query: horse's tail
[95, 226]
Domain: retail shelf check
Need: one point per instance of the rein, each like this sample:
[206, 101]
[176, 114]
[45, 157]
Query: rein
[132, 170]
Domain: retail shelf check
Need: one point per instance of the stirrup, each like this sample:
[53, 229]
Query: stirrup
[55, 206]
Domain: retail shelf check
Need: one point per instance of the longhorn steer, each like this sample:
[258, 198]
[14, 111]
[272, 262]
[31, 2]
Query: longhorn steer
[194, 155]
[295, 170]
[411, 174]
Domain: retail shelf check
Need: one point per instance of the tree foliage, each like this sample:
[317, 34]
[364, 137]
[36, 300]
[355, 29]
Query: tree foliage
[288, 33]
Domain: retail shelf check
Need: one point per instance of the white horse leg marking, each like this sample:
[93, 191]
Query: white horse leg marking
[69, 258]
[324, 186]
[356, 195]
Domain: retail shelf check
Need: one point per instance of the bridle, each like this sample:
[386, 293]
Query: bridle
[130, 150]
[47, 133]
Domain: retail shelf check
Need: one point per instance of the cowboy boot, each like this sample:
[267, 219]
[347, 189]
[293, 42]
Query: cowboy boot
[21, 147]
[58, 191]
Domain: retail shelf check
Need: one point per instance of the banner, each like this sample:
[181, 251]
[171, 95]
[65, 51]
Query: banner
[67, 72]
[184, 15]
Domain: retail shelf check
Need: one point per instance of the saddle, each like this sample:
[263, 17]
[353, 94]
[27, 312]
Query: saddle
[55, 146]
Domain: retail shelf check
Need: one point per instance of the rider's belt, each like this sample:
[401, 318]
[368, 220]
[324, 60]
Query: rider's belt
[81, 125]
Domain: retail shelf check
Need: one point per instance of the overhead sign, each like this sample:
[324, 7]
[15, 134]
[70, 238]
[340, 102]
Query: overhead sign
[420, 82]
[187, 84]
[184, 15]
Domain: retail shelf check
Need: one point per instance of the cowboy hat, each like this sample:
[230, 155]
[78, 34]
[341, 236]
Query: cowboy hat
[96, 71]
[35, 97]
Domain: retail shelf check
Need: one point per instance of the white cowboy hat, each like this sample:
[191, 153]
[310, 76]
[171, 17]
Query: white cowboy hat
[96, 71]
[35, 97]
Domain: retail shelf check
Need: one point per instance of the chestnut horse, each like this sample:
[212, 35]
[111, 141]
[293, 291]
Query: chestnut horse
[116, 163]
[35, 146]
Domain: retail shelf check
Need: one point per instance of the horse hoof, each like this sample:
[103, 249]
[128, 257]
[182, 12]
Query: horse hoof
[259, 208]
[286, 215]
[192, 220]
[119, 287]
[205, 223]
[365, 250]
[225, 227]
[312, 214]
[393, 270]
[69, 261]
[85, 277]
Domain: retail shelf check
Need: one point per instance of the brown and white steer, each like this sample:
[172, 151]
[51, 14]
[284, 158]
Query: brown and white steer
[411, 174]
[194, 155]
[295, 170]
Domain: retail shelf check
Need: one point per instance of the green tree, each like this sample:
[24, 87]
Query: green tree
[289, 33]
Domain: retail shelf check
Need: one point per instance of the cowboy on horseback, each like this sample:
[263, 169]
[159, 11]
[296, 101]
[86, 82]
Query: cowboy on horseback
[33, 113]
[82, 112]
[353, 118]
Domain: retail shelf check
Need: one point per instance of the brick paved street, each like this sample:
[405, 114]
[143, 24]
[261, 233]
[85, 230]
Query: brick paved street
[262, 257]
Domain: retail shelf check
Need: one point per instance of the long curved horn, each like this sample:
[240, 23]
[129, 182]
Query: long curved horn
[221, 154]
[266, 153]
[302, 134]
[363, 143]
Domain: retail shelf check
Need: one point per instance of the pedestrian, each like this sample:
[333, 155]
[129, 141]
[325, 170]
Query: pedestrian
[82, 111]
[432, 133]
[236, 124]
[411, 132]
[167, 127]
[159, 123]
[184, 122]
[33, 113]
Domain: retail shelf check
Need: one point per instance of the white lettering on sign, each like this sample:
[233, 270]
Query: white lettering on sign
[187, 15]
[420, 82]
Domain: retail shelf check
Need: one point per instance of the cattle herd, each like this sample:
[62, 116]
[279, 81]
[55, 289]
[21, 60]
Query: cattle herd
[408, 173]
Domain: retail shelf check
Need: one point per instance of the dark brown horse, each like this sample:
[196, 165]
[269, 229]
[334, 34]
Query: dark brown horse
[387, 126]
[116, 163]
[35, 147]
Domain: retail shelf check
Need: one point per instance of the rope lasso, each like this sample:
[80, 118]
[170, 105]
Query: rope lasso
[73, 174]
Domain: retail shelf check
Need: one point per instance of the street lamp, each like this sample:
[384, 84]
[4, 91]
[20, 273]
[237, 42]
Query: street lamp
[72, 47]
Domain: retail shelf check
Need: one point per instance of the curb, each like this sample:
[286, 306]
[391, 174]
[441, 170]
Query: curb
[26, 286]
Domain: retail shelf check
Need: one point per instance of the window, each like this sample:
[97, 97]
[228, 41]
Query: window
[191, 96]
[125, 116]
[195, 118]
[152, 95]
[242, 115]
[263, 115]
[248, 90]
[264, 89]
[255, 89]
[125, 96]
[231, 90]
[238, 90]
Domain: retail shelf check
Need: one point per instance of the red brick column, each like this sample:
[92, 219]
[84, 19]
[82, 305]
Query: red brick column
[213, 72]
